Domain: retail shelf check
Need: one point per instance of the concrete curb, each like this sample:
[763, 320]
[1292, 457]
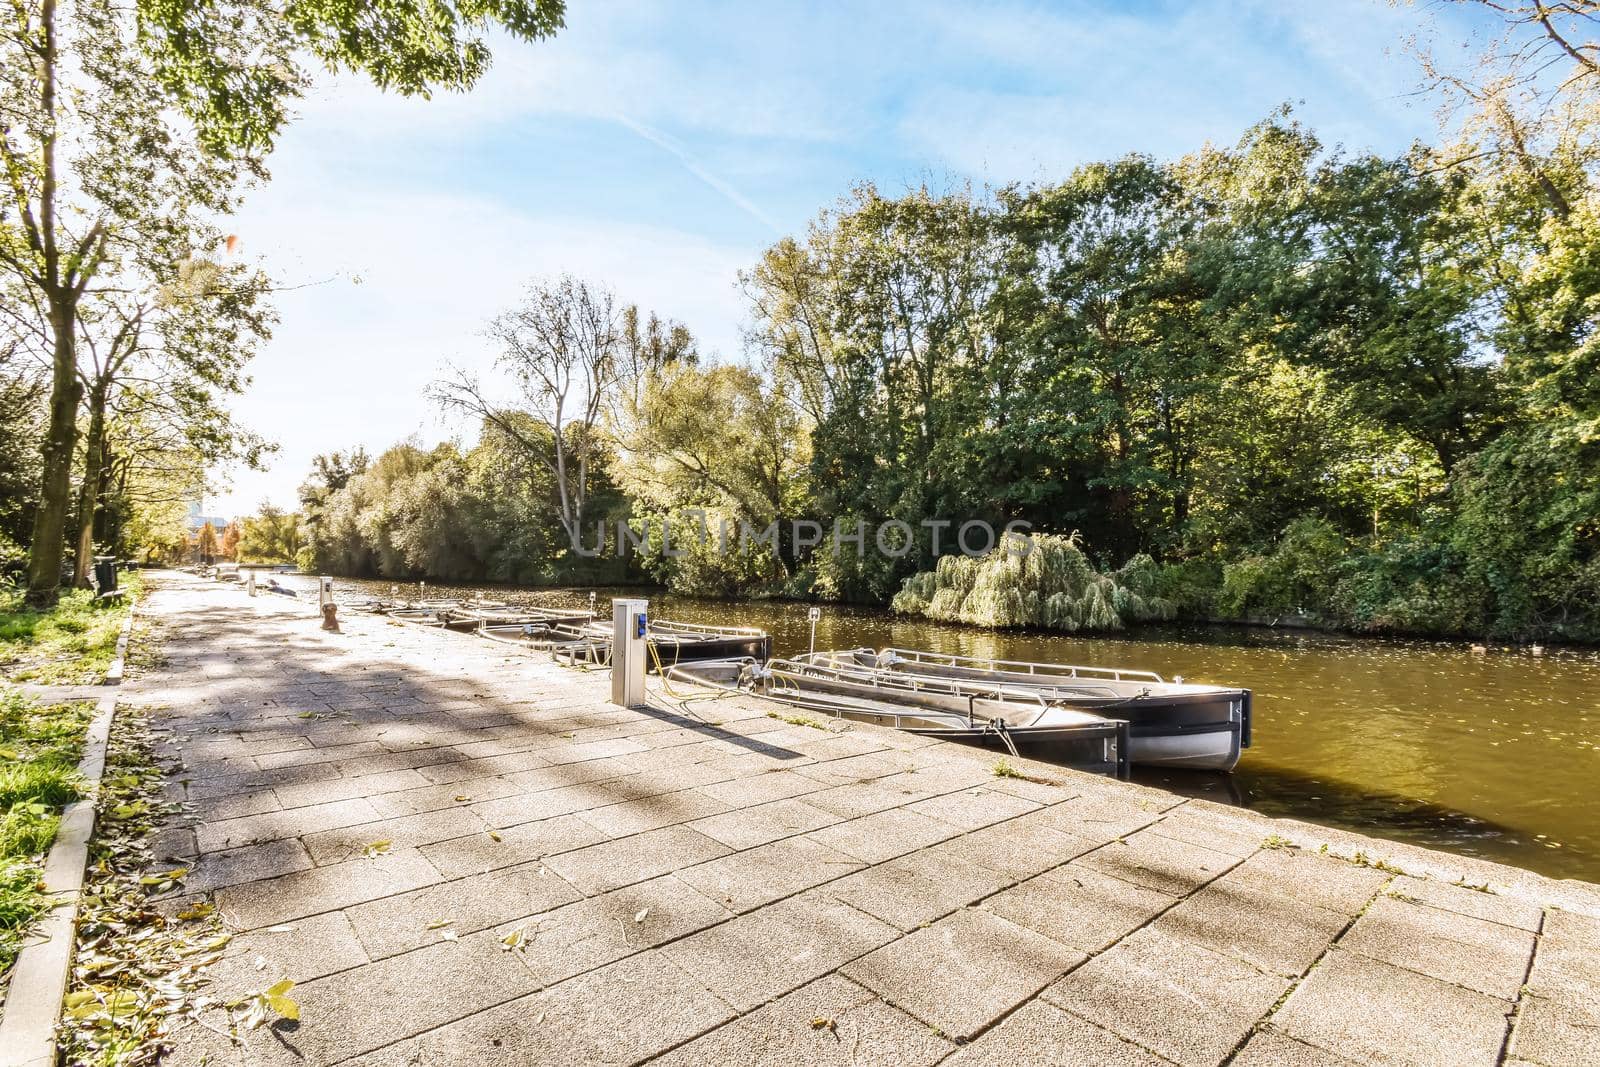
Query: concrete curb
[39, 979]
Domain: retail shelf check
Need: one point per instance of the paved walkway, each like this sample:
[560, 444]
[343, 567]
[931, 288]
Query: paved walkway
[706, 884]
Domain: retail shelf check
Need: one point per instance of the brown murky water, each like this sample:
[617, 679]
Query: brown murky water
[1493, 755]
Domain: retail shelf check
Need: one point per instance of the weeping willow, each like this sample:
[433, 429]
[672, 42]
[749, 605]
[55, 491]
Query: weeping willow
[1052, 586]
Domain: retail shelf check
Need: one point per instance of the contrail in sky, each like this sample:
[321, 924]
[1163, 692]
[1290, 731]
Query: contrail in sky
[693, 166]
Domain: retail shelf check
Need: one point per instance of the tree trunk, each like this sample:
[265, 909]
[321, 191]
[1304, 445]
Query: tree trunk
[93, 479]
[49, 523]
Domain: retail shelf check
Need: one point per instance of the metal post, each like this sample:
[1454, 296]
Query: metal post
[629, 623]
[814, 614]
[330, 618]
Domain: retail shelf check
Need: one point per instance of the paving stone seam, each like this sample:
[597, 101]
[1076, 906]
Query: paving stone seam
[1522, 990]
[1088, 956]
[1527, 970]
[1295, 983]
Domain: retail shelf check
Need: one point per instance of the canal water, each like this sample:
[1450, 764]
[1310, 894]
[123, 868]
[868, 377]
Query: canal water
[1494, 755]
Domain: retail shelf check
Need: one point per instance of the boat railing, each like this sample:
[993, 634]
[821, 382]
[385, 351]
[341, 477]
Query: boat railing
[890, 683]
[914, 656]
[1061, 686]
[670, 626]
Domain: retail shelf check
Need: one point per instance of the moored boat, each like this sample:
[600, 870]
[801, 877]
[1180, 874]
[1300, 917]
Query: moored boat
[1170, 723]
[667, 642]
[1021, 722]
[477, 616]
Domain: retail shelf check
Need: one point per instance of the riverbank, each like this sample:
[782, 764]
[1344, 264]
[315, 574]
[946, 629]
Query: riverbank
[458, 855]
[1426, 742]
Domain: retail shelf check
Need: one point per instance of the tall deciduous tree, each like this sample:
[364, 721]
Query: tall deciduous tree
[98, 159]
[562, 348]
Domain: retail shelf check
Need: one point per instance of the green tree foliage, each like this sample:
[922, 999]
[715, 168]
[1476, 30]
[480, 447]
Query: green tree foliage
[1274, 377]
[237, 67]
[272, 535]
[1038, 581]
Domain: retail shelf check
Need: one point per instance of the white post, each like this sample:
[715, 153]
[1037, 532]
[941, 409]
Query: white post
[628, 624]
[250, 582]
[330, 618]
[814, 614]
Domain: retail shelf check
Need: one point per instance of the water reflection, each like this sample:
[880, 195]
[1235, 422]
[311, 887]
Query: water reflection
[1493, 755]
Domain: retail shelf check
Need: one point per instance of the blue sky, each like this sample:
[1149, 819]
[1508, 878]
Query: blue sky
[660, 146]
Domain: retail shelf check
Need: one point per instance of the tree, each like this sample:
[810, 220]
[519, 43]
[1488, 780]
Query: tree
[725, 442]
[561, 348]
[272, 535]
[236, 67]
[96, 177]
[97, 162]
[876, 326]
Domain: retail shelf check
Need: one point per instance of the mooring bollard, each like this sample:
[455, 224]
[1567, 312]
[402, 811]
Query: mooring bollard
[330, 618]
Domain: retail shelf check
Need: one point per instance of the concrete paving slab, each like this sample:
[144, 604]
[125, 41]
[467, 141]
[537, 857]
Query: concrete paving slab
[1170, 996]
[1567, 964]
[1372, 1012]
[491, 850]
[964, 972]
[832, 1022]
[1491, 907]
[299, 950]
[1557, 1033]
[621, 1013]
[372, 1006]
[626, 860]
[1079, 906]
[1019, 848]
[1158, 863]
[402, 922]
[425, 797]
[758, 957]
[410, 831]
[581, 936]
[1269, 1049]
[763, 823]
[1323, 881]
[292, 822]
[652, 813]
[760, 875]
[1469, 952]
[1039, 1032]
[291, 896]
[1095, 816]
[972, 808]
[884, 835]
[1273, 934]
[916, 889]
[761, 788]
[371, 786]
